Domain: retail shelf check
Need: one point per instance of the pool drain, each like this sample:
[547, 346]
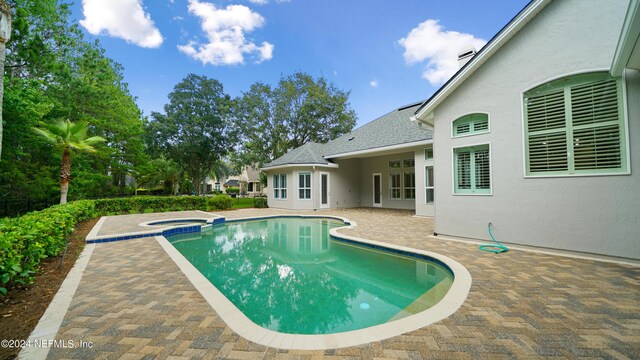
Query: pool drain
[365, 306]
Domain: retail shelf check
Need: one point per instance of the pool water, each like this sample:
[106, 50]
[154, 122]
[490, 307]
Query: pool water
[288, 275]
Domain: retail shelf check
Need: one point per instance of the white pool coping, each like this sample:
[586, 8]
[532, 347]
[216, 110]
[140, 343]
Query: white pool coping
[148, 229]
[243, 326]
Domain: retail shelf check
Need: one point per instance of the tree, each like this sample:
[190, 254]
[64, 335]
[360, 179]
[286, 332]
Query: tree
[196, 130]
[5, 35]
[67, 136]
[271, 121]
[161, 171]
[52, 73]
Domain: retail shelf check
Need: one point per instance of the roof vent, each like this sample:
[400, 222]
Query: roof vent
[465, 55]
[351, 138]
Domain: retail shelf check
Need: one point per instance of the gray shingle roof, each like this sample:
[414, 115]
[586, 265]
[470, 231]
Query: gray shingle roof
[394, 128]
[309, 153]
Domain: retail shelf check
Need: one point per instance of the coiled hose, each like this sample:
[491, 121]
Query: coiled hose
[496, 248]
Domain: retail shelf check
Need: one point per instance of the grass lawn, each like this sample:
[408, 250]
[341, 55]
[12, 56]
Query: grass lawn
[243, 203]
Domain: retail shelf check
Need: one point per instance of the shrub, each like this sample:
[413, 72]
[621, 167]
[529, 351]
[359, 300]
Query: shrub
[260, 202]
[144, 204]
[26, 240]
[232, 190]
[219, 202]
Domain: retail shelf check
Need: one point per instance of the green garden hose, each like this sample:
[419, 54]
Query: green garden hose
[496, 248]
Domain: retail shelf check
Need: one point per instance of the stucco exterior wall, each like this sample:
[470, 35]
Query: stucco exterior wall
[594, 214]
[422, 208]
[344, 190]
[380, 164]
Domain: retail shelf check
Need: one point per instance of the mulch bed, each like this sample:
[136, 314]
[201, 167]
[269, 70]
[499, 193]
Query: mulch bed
[23, 307]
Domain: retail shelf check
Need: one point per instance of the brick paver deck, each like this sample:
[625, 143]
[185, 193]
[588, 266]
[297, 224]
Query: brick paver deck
[133, 303]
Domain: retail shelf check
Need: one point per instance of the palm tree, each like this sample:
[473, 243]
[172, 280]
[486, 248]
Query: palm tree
[67, 135]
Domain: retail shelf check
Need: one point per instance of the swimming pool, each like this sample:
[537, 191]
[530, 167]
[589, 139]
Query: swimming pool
[290, 276]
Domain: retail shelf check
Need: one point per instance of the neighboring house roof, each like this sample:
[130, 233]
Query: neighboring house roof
[231, 183]
[251, 173]
[424, 112]
[391, 129]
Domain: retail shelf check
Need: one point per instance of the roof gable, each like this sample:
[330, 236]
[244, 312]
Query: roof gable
[425, 112]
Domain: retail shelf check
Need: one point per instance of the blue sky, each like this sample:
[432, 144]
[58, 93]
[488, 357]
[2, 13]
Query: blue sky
[387, 53]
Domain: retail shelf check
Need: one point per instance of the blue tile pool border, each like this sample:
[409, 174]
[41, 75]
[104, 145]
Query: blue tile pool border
[222, 220]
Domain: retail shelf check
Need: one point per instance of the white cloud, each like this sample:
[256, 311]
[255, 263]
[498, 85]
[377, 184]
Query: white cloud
[125, 19]
[225, 29]
[373, 83]
[440, 48]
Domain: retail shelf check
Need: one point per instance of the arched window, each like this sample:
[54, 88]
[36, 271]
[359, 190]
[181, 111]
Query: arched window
[471, 124]
[575, 126]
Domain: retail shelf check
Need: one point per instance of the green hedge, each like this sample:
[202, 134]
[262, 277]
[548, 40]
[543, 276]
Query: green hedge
[260, 203]
[147, 204]
[220, 202]
[26, 240]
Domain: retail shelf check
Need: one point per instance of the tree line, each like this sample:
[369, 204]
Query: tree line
[53, 75]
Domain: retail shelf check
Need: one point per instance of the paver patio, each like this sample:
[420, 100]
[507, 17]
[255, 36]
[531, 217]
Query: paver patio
[133, 303]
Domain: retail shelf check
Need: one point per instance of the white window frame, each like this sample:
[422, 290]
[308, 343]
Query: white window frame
[405, 187]
[412, 162]
[305, 188]
[429, 187]
[399, 187]
[278, 188]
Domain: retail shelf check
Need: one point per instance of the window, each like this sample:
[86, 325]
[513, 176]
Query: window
[408, 163]
[216, 186]
[280, 235]
[304, 239]
[428, 179]
[472, 174]
[471, 124]
[250, 187]
[395, 164]
[280, 186]
[409, 185]
[428, 153]
[395, 187]
[304, 186]
[575, 126]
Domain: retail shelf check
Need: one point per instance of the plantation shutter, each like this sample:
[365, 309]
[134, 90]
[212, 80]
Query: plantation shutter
[547, 132]
[481, 124]
[596, 130]
[471, 124]
[482, 173]
[464, 169]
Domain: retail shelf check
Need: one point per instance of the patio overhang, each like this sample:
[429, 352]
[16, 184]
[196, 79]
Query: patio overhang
[383, 150]
[284, 166]
[627, 55]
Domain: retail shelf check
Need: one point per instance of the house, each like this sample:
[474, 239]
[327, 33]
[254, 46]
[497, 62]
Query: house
[374, 165]
[249, 182]
[537, 134]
